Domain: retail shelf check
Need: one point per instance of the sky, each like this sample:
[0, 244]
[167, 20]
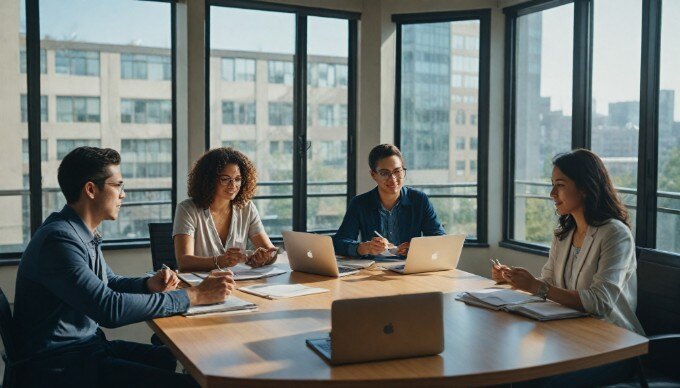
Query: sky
[616, 62]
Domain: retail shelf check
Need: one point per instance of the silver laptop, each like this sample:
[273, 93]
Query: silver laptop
[432, 253]
[398, 326]
[313, 253]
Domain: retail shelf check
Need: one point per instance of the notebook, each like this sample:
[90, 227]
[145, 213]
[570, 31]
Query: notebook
[192, 279]
[355, 263]
[231, 304]
[281, 291]
[244, 272]
[530, 306]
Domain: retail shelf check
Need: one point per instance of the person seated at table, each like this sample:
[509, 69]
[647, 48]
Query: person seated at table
[591, 265]
[212, 228]
[390, 214]
[65, 291]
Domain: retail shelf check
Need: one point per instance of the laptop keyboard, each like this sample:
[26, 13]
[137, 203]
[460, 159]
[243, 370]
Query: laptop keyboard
[346, 269]
[399, 267]
[325, 345]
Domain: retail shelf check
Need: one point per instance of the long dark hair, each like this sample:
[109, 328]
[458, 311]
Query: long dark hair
[601, 200]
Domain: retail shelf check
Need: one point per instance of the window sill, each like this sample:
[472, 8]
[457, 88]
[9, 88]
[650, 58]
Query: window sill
[525, 247]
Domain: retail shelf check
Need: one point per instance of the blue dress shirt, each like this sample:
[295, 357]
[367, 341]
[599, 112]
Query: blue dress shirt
[65, 290]
[415, 217]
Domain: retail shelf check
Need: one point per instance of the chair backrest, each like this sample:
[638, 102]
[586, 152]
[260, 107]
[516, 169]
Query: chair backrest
[162, 246]
[658, 305]
[7, 327]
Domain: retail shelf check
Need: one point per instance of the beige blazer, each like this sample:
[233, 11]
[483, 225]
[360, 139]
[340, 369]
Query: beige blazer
[604, 273]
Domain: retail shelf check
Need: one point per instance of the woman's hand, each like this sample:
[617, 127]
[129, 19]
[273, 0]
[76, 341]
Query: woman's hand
[262, 256]
[232, 257]
[521, 279]
[497, 273]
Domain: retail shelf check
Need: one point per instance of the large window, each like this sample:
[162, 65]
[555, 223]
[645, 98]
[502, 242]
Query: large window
[588, 92]
[433, 106]
[83, 55]
[255, 99]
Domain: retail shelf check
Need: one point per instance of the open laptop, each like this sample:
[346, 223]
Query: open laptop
[432, 253]
[313, 253]
[398, 326]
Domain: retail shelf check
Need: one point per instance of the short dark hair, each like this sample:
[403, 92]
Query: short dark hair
[590, 175]
[82, 165]
[205, 172]
[383, 151]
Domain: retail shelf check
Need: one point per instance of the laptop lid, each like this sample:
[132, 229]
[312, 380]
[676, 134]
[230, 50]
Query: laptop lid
[434, 253]
[309, 252]
[381, 328]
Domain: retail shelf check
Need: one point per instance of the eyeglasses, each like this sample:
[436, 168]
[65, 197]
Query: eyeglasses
[226, 181]
[120, 186]
[399, 173]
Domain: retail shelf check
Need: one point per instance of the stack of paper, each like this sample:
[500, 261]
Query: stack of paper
[191, 278]
[280, 291]
[244, 272]
[546, 311]
[496, 299]
[355, 263]
[519, 302]
[231, 304]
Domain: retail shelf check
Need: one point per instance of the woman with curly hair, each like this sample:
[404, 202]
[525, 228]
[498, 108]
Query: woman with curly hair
[213, 226]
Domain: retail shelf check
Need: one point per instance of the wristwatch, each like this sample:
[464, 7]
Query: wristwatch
[543, 290]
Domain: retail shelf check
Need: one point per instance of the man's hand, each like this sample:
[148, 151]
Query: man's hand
[373, 247]
[164, 280]
[214, 289]
[403, 249]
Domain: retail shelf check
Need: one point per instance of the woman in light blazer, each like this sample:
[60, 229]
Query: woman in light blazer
[591, 265]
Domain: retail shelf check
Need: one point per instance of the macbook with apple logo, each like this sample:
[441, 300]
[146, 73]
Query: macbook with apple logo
[432, 253]
[383, 328]
[313, 253]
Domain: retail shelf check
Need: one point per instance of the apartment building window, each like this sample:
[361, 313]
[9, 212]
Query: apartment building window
[43, 61]
[64, 146]
[326, 115]
[280, 72]
[77, 109]
[280, 113]
[238, 70]
[146, 158]
[146, 111]
[24, 150]
[145, 67]
[77, 62]
[24, 108]
[238, 113]
[436, 72]
[473, 143]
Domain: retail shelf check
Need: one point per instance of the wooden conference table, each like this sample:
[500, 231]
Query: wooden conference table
[267, 347]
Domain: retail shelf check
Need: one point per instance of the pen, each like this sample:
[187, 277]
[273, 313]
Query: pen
[389, 244]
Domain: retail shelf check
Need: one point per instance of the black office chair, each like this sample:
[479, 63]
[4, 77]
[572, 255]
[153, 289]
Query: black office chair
[162, 246]
[658, 309]
[9, 354]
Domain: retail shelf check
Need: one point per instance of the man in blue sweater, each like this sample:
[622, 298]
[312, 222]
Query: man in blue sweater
[390, 214]
[65, 291]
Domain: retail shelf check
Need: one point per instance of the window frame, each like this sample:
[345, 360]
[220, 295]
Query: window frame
[33, 48]
[300, 96]
[484, 18]
[647, 169]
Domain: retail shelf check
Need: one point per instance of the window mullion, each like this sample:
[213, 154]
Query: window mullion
[299, 125]
[33, 105]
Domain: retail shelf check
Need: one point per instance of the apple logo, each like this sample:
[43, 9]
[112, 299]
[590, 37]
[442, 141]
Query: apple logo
[310, 255]
[435, 256]
[388, 329]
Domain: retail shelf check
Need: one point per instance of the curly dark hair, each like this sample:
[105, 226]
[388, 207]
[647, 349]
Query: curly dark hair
[205, 172]
[602, 202]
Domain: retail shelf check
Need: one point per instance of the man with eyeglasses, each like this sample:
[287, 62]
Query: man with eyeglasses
[388, 216]
[65, 291]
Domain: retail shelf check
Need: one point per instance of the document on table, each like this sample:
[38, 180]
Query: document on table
[230, 304]
[244, 272]
[192, 279]
[519, 302]
[354, 263]
[280, 291]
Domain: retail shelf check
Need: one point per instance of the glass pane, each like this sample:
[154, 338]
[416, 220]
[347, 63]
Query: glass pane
[248, 110]
[542, 117]
[439, 108]
[616, 91]
[90, 47]
[668, 194]
[327, 48]
[14, 200]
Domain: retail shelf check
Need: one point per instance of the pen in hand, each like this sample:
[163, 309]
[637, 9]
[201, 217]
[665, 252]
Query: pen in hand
[389, 244]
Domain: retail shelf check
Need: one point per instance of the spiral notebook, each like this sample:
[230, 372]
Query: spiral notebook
[530, 306]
